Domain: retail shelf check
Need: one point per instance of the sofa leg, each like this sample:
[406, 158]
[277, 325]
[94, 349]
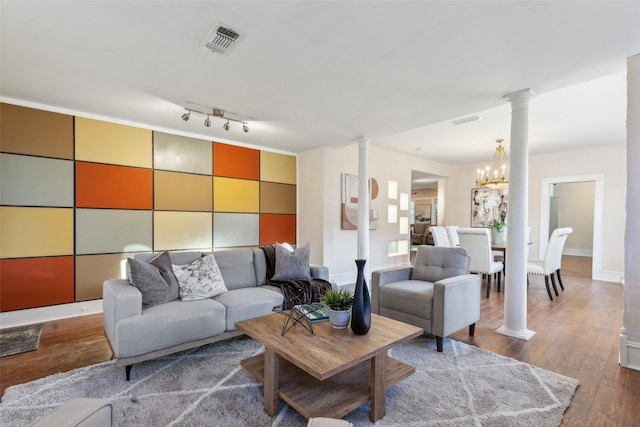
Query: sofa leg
[127, 370]
[439, 344]
[472, 329]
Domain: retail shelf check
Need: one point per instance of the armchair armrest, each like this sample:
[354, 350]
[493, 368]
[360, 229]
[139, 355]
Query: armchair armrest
[120, 299]
[319, 272]
[383, 277]
[459, 298]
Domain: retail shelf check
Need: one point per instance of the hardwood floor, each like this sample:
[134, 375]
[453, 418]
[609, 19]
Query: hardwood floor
[575, 335]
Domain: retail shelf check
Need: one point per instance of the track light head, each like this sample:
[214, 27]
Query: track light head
[186, 116]
[226, 126]
[245, 128]
[207, 122]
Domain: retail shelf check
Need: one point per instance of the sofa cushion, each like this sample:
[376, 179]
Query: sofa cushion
[292, 265]
[167, 325]
[437, 263]
[148, 279]
[409, 296]
[247, 303]
[200, 279]
[237, 268]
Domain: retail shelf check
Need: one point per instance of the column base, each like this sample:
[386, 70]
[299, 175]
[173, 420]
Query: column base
[523, 334]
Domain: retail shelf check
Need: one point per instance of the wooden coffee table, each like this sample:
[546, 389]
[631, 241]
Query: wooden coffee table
[303, 369]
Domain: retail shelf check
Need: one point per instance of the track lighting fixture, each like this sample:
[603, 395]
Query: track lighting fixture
[215, 112]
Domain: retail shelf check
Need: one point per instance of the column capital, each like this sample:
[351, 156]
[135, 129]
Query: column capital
[363, 140]
[524, 94]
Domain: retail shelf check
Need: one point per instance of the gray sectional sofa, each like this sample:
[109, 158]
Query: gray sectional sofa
[137, 335]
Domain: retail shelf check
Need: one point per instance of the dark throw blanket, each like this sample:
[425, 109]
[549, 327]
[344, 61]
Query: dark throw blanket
[294, 291]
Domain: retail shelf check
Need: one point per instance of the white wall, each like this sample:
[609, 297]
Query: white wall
[319, 206]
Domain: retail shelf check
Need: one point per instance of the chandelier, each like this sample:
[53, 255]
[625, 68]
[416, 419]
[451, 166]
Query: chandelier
[495, 175]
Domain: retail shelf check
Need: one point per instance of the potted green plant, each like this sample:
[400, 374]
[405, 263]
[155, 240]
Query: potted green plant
[339, 303]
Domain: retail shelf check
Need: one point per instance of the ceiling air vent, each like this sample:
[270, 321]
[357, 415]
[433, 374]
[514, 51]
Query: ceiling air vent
[222, 38]
[466, 119]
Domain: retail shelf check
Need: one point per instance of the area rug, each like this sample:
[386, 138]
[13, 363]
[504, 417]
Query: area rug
[463, 386]
[20, 339]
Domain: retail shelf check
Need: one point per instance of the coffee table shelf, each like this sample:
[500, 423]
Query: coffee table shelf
[334, 397]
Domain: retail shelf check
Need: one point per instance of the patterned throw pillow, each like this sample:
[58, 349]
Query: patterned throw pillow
[292, 265]
[199, 280]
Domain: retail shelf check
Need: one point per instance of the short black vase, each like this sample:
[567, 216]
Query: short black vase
[361, 310]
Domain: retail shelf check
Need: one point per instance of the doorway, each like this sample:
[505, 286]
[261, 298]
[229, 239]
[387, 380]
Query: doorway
[552, 187]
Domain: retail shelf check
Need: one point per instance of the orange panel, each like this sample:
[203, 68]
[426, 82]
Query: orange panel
[235, 162]
[277, 228]
[107, 186]
[36, 282]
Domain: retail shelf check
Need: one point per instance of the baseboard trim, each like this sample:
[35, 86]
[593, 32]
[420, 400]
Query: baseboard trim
[578, 252]
[609, 276]
[629, 352]
[46, 314]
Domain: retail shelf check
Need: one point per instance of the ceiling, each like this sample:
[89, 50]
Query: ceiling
[308, 74]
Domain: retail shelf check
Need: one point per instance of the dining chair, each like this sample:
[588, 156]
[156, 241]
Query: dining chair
[552, 261]
[440, 237]
[477, 242]
[452, 233]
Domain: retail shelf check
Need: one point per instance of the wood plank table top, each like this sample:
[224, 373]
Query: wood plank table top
[306, 378]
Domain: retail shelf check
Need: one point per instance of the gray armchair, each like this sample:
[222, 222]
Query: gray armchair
[437, 294]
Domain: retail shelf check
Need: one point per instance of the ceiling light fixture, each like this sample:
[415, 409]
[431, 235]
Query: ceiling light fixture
[496, 174]
[215, 112]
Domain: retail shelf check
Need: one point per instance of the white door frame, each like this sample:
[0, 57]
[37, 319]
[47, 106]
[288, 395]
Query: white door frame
[598, 215]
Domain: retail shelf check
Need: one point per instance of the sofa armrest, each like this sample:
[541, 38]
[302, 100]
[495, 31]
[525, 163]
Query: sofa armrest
[79, 412]
[382, 277]
[120, 299]
[319, 272]
[456, 304]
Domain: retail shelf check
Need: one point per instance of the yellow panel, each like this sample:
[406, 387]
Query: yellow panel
[92, 270]
[174, 191]
[182, 230]
[236, 195]
[103, 142]
[277, 167]
[32, 232]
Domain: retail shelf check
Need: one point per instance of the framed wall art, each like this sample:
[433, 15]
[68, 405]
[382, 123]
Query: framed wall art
[487, 204]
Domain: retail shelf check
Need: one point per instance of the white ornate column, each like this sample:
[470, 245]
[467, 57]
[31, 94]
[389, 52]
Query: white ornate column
[515, 298]
[363, 201]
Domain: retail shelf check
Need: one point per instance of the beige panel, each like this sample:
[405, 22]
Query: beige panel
[92, 270]
[182, 154]
[40, 133]
[277, 198]
[32, 232]
[175, 191]
[103, 142]
[182, 230]
[277, 167]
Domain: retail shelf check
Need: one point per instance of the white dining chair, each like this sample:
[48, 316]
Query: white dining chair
[477, 242]
[452, 233]
[440, 237]
[552, 261]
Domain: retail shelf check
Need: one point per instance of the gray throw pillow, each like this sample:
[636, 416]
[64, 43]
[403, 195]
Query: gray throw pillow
[292, 265]
[149, 281]
[163, 262]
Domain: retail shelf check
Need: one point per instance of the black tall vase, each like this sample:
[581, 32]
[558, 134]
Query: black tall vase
[361, 311]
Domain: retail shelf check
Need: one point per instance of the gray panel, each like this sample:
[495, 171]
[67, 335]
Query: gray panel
[235, 229]
[113, 231]
[34, 181]
[182, 154]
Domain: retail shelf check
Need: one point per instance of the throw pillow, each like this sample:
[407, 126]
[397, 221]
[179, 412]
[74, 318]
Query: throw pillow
[199, 280]
[163, 262]
[149, 281]
[292, 265]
